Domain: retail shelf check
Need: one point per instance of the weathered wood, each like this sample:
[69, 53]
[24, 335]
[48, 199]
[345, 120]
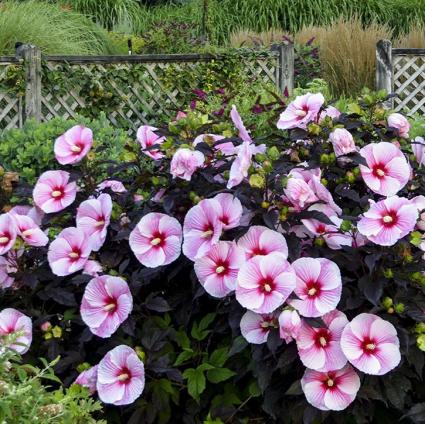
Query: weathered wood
[409, 52]
[6, 60]
[285, 69]
[32, 57]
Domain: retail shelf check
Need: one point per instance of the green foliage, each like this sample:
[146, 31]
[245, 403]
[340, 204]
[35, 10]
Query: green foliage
[53, 29]
[26, 399]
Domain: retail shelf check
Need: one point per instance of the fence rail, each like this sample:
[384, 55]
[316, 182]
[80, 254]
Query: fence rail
[402, 72]
[136, 100]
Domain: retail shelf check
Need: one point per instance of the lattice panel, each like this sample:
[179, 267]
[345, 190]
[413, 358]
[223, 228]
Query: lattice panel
[409, 83]
[11, 106]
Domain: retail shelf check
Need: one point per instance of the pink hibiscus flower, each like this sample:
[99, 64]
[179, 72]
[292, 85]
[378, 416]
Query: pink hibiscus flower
[53, 191]
[319, 348]
[265, 282]
[371, 344]
[238, 123]
[260, 241]
[120, 376]
[255, 328]
[418, 148]
[342, 142]
[93, 217]
[8, 233]
[318, 286]
[156, 240]
[202, 228]
[147, 138]
[331, 112]
[29, 231]
[34, 213]
[92, 268]
[218, 269]
[388, 221]
[226, 148]
[88, 378]
[113, 185]
[185, 162]
[72, 146]
[106, 304]
[69, 252]
[331, 391]
[289, 325]
[400, 123]
[301, 111]
[18, 327]
[231, 210]
[387, 170]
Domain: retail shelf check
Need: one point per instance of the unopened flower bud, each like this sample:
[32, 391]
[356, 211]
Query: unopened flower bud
[387, 302]
[399, 308]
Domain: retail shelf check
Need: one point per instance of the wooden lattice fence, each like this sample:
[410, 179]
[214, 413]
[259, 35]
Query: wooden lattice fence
[402, 72]
[136, 89]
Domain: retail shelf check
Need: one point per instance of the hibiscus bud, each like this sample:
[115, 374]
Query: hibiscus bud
[388, 273]
[324, 181]
[319, 242]
[273, 153]
[416, 238]
[399, 308]
[324, 159]
[257, 181]
[267, 166]
[342, 142]
[351, 178]
[265, 205]
[57, 332]
[346, 226]
[1, 171]
[420, 342]
[260, 157]
[420, 327]
[314, 129]
[83, 367]
[400, 124]
[46, 326]
[140, 353]
[356, 171]
[390, 310]
[387, 302]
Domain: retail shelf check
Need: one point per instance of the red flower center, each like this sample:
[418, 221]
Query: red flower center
[321, 229]
[124, 375]
[224, 219]
[369, 346]
[322, 338]
[330, 381]
[312, 289]
[77, 148]
[57, 193]
[267, 285]
[100, 221]
[379, 170]
[257, 250]
[208, 231]
[75, 254]
[110, 305]
[222, 267]
[389, 219]
[157, 240]
[5, 238]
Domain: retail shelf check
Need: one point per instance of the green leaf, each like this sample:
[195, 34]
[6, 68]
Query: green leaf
[219, 357]
[206, 321]
[182, 339]
[195, 382]
[219, 374]
[254, 390]
[183, 357]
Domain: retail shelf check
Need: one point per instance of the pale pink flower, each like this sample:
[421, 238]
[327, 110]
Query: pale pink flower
[218, 269]
[238, 123]
[180, 115]
[147, 138]
[342, 142]
[88, 378]
[93, 217]
[29, 231]
[318, 286]
[6, 268]
[418, 148]
[17, 325]
[72, 146]
[387, 170]
[255, 328]
[400, 123]
[120, 376]
[231, 210]
[226, 148]
[371, 344]
[260, 241]
[202, 228]
[388, 221]
[113, 185]
[331, 112]
[289, 325]
[92, 268]
[331, 391]
[106, 304]
[303, 110]
[53, 191]
[8, 233]
[69, 252]
[156, 240]
[35, 213]
[319, 347]
[265, 282]
[185, 162]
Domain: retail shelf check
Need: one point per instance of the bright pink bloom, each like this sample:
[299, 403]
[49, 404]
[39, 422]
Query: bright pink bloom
[289, 325]
[231, 210]
[156, 240]
[72, 146]
[93, 217]
[180, 115]
[301, 111]
[147, 138]
[260, 241]
[226, 148]
[265, 282]
[29, 231]
[418, 147]
[120, 376]
[331, 112]
[34, 213]
[331, 391]
[387, 170]
[388, 221]
[400, 123]
[319, 348]
[16, 324]
[202, 228]
[46, 326]
[218, 269]
[88, 378]
[185, 162]
[92, 268]
[106, 304]
[8, 233]
[318, 287]
[53, 191]
[238, 123]
[371, 344]
[115, 186]
[255, 328]
[69, 252]
[342, 142]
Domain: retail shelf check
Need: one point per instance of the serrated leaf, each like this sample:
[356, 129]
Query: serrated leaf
[219, 374]
[183, 357]
[219, 357]
[195, 382]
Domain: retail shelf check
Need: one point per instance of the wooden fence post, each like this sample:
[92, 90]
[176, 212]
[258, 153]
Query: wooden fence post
[384, 68]
[32, 57]
[285, 68]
